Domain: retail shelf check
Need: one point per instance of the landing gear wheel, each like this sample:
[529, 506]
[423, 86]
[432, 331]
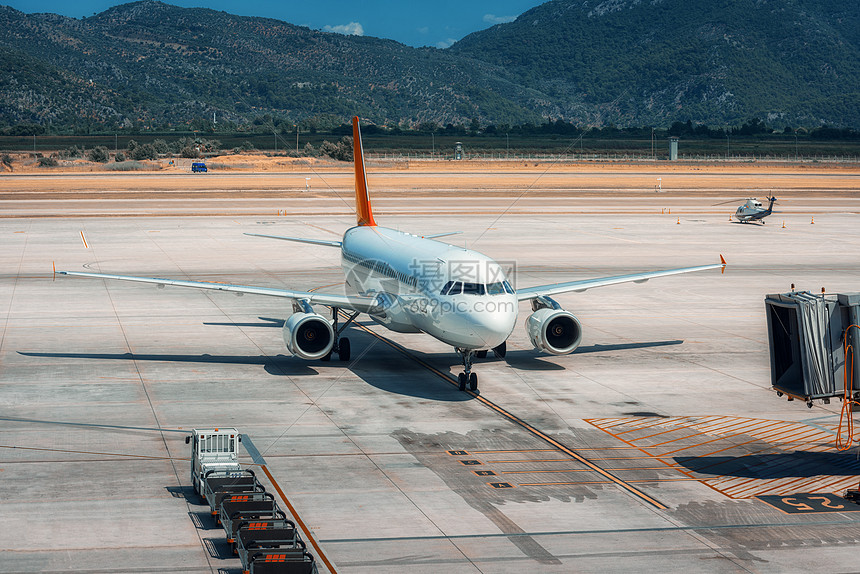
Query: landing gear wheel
[343, 349]
[473, 382]
[462, 380]
[501, 350]
[481, 354]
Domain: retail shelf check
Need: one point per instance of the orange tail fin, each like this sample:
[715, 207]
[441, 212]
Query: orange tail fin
[363, 212]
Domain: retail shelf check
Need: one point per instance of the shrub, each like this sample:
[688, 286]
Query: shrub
[47, 162]
[309, 150]
[131, 166]
[71, 151]
[7, 161]
[119, 157]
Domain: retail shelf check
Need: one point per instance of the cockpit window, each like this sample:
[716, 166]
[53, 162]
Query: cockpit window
[452, 288]
[508, 288]
[495, 288]
[474, 289]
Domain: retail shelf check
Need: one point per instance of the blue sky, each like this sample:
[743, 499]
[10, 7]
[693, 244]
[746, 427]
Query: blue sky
[436, 23]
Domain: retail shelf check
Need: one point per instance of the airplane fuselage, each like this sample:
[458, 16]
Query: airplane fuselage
[457, 295]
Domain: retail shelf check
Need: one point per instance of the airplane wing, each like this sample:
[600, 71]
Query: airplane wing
[368, 305]
[325, 242]
[528, 293]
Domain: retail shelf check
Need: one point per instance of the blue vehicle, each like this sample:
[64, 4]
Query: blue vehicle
[198, 166]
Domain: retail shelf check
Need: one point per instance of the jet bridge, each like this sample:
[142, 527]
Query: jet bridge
[814, 345]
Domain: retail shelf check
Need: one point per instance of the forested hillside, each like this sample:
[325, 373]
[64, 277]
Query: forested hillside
[624, 62]
[717, 62]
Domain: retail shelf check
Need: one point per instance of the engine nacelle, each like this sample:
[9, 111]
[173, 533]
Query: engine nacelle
[555, 331]
[308, 335]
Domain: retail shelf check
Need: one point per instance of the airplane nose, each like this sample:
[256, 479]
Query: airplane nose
[492, 326]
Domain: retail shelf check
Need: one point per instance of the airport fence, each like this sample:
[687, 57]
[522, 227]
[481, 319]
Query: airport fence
[616, 157]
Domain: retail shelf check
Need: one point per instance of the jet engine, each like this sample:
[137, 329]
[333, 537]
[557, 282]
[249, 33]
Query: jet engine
[555, 331]
[308, 335]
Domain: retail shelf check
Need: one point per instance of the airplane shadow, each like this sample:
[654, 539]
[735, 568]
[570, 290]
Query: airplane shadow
[624, 346]
[265, 322]
[532, 360]
[778, 465]
[279, 365]
[526, 360]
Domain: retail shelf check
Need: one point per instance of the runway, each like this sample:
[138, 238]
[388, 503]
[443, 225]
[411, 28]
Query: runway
[657, 446]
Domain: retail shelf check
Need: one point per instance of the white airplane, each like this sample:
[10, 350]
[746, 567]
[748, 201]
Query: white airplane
[412, 283]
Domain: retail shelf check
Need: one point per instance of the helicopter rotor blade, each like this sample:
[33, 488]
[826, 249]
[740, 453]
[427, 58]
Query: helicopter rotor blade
[730, 201]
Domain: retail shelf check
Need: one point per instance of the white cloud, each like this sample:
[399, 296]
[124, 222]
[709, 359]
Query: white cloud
[446, 43]
[493, 19]
[351, 29]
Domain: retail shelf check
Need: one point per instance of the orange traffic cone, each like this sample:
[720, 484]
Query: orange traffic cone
[679, 221]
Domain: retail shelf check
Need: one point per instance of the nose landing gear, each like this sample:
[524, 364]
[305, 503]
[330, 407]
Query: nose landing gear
[467, 376]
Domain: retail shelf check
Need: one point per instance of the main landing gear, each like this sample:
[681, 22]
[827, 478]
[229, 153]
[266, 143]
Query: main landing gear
[341, 344]
[467, 377]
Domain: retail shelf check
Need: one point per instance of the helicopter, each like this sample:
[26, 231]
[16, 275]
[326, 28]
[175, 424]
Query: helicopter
[752, 210]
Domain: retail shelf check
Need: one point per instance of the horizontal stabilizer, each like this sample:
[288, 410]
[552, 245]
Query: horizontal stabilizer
[437, 235]
[325, 242]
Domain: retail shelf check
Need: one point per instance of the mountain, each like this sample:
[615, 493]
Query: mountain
[627, 62]
[793, 62]
[154, 62]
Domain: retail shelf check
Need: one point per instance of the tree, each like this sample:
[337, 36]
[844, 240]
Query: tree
[99, 154]
[161, 147]
[190, 152]
[341, 151]
[143, 151]
[328, 148]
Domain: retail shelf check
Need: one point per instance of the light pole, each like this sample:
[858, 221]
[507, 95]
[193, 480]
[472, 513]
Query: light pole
[727, 143]
[795, 147]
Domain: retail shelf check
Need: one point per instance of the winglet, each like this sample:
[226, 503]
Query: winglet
[363, 212]
[723, 261]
